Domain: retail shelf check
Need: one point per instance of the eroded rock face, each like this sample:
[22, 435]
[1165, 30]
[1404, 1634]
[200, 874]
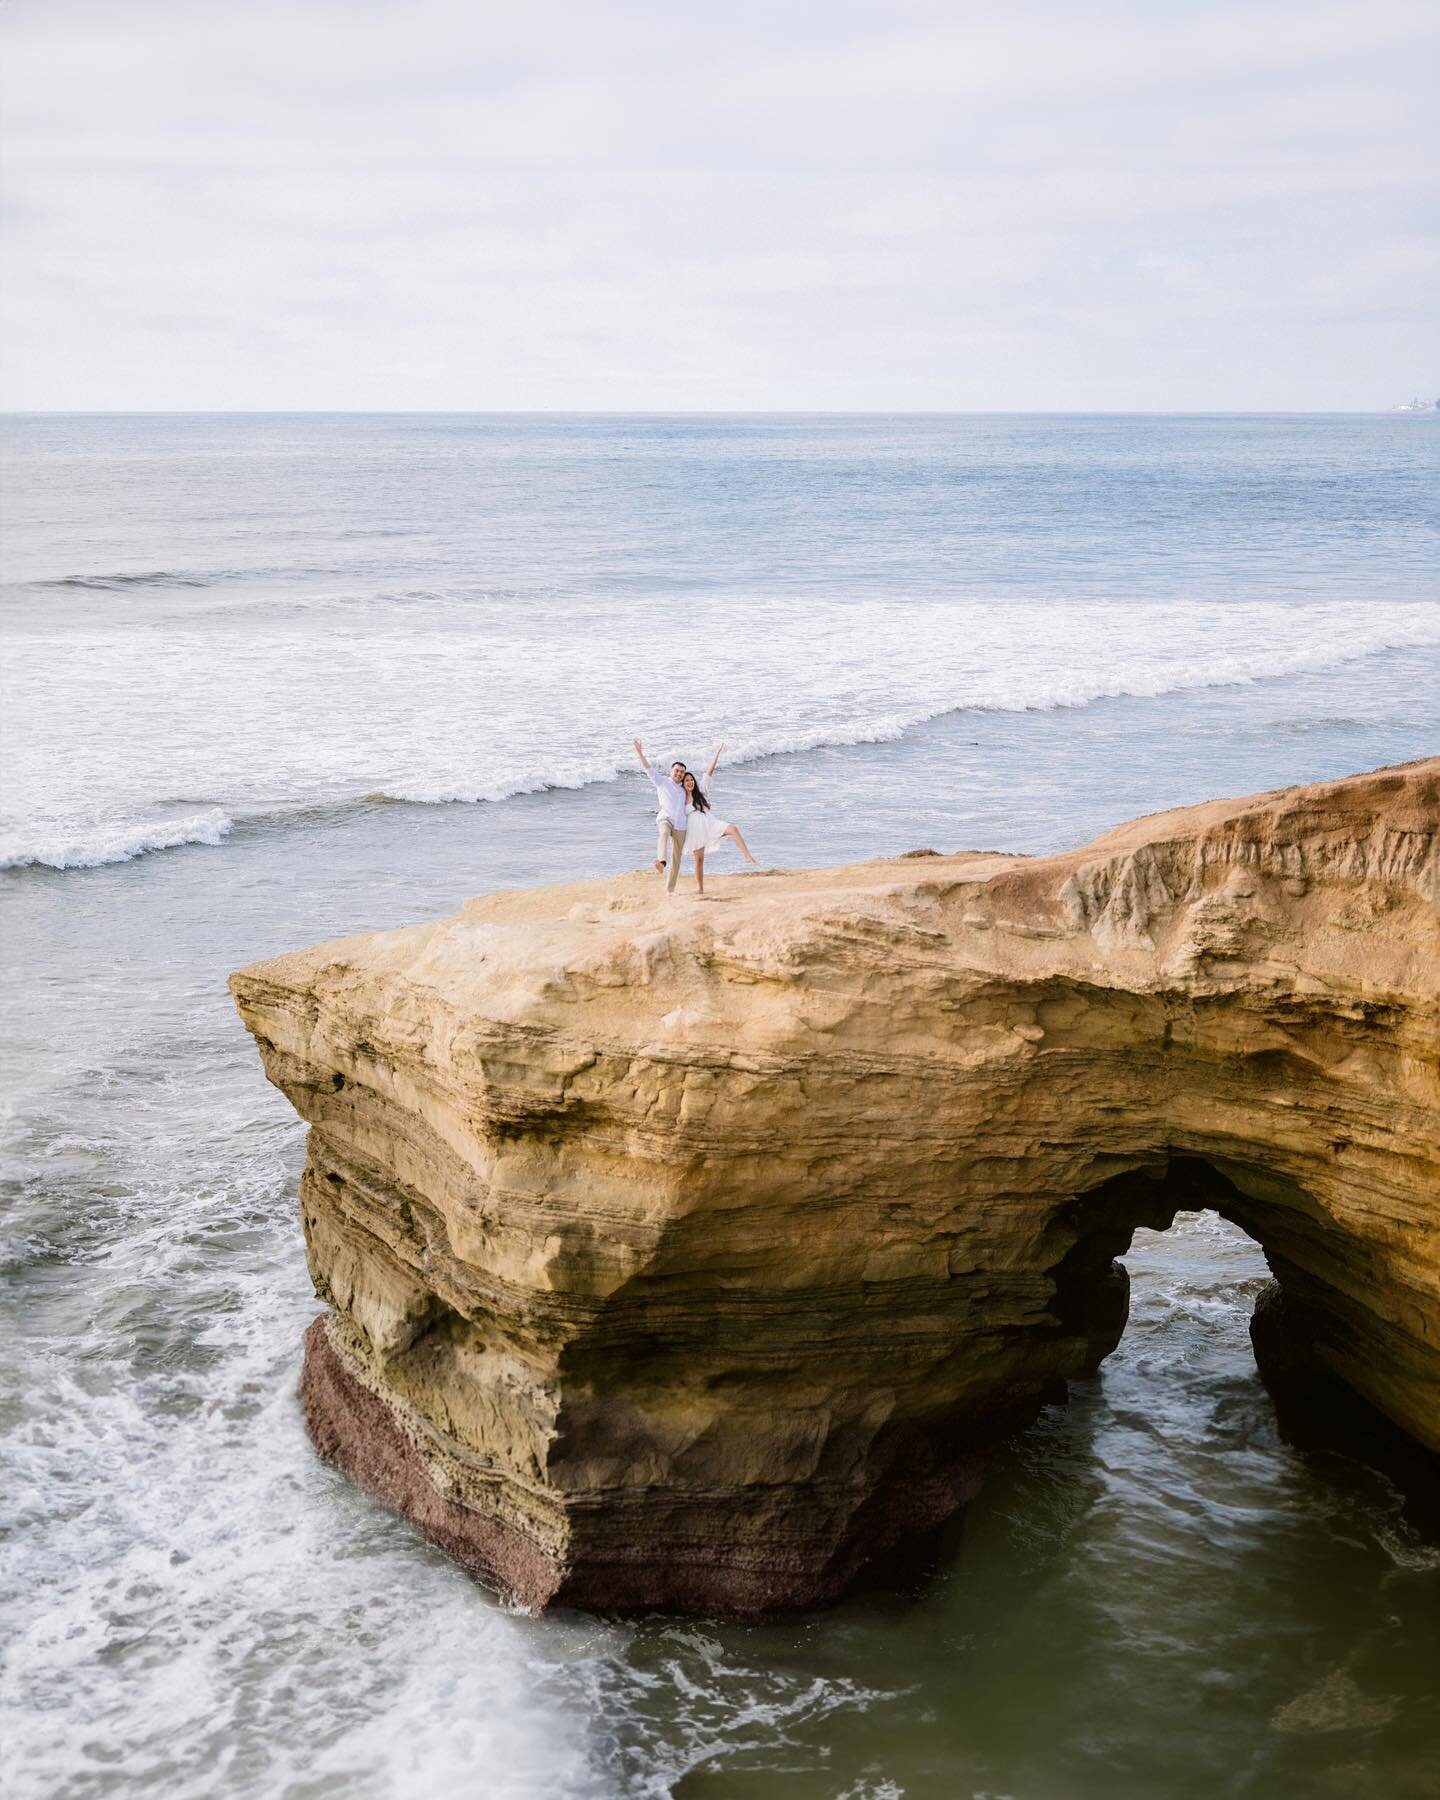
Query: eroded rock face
[691, 1253]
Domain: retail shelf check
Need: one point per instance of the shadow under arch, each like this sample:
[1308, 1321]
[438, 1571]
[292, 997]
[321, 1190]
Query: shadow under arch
[1315, 1413]
[1296, 1314]
[1092, 1286]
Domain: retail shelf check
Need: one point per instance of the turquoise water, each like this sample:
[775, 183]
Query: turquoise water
[939, 632]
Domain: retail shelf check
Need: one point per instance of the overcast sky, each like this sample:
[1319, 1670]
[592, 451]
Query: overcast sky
[561, 204]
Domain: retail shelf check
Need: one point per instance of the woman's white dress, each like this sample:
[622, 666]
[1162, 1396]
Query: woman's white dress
[703, 831]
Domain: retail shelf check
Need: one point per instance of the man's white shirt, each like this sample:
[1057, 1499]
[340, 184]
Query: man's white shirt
[671, 797]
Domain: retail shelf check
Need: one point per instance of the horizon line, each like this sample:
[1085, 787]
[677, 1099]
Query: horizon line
[715, 412]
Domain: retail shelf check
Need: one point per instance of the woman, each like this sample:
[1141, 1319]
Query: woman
[703, 831]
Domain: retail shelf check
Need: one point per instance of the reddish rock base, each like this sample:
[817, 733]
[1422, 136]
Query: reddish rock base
[353, 1429]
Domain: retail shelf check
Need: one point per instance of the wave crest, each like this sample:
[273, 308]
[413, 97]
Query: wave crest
[62, 844]
[118, 582]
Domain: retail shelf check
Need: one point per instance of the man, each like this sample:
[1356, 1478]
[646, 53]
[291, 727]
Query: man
[669, 816]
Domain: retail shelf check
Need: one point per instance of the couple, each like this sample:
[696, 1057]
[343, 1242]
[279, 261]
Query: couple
[685, 821]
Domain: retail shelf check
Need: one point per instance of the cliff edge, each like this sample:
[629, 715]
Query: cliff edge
[692, 1253]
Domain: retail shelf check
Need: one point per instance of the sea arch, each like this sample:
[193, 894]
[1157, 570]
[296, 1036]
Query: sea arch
[694, 1257]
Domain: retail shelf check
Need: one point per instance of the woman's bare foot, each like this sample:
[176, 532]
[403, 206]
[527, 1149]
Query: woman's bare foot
[659, 866]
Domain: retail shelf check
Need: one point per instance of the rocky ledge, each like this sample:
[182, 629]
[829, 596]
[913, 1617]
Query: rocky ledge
[691, 1254]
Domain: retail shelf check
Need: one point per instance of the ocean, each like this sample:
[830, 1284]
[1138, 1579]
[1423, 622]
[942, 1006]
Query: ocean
[271, 679]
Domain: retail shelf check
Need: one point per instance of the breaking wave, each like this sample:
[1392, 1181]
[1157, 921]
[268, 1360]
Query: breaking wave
[58, 844]
[435, 717]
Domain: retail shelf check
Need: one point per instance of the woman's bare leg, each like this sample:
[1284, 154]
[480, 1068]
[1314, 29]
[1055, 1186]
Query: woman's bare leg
[699, 871]
[733, 831]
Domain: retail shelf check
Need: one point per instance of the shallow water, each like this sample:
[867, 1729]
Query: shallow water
[1154, 1595]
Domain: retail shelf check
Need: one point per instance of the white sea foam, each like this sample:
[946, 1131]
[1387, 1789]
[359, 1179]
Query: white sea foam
[175, 1562]
[87, 844]
[445, 707]
[216, 1609]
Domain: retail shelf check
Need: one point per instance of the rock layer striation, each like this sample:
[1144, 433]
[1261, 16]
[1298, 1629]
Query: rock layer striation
[691, 1254]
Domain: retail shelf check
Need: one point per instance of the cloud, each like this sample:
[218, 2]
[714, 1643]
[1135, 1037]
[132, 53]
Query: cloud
[581, 204]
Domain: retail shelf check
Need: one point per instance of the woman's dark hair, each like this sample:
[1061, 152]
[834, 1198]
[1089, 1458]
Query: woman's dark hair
[696, 795]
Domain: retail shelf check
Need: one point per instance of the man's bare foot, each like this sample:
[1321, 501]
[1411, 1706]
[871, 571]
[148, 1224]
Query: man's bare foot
[659, 866]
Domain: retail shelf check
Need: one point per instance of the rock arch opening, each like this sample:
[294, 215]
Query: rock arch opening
[1091, 1283]
[1307, 1324]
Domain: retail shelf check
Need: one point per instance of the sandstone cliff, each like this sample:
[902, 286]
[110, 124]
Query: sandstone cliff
[691, 1253]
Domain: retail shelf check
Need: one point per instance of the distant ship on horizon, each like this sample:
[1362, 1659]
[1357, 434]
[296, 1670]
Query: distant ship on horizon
[1416, 405]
